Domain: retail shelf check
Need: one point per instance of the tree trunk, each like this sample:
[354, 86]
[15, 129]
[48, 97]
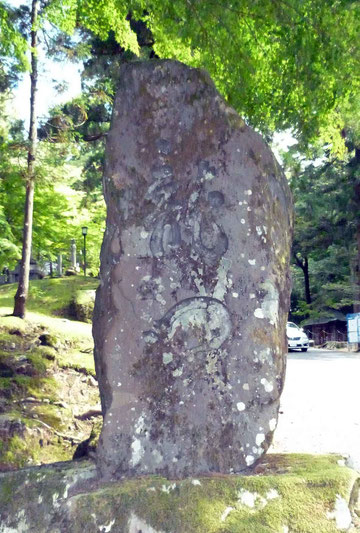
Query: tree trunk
[357, 258]
[307, 281]
[304, 265]
[23, 287]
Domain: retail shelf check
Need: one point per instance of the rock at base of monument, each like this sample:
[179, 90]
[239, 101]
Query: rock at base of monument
[189, 320]
[287, 493]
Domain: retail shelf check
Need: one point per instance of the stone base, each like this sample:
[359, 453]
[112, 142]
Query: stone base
[287, 493]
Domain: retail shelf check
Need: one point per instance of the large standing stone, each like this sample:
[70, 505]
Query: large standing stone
[189, 321]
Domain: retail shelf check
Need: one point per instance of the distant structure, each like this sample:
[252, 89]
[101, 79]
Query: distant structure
[330, 327]
[12, 276]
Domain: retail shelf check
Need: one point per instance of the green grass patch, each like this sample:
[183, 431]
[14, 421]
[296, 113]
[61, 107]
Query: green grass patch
[15, 452]
[49, 296]
[33, 352]
[80, 361]
[19, 387]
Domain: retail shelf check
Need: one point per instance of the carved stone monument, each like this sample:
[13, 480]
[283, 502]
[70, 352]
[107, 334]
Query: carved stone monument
[73, 263]
[189, 320]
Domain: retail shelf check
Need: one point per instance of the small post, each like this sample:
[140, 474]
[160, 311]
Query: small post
[59, 265]
[84, 232]
[73, 264]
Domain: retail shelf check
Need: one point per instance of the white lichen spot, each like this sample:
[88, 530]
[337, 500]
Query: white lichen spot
[246, 386]
[226, 513]
[252, 296]
[107, 528]
[272, 424]
[151, 489]
[252, 262]
[272, 494]
[136, 524]
[259, 230]
[160, 299]
[246, 497]
[285, 529]
[137, 452]
[178, 372]
[240, 406]
[140, 425]
[248, 192]
[196, 482]
[55, 498]
[167, 358]
[66, 491]
[235, 295]
[260, 437]
[168, 488]
[208, 176]
[262, 268]
[249, 460]
[270, 304]
[240, 203]
[242, 221]
[40, 499]
[21, 524]
[341, 513]
[223, 282]
[157, 456]
[193, 197]
[259, 313]
[269, 387]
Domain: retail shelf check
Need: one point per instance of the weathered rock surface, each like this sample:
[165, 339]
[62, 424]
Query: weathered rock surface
[189, 321]
[288, 493]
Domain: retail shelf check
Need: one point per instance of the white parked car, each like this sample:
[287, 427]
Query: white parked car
[297, 338]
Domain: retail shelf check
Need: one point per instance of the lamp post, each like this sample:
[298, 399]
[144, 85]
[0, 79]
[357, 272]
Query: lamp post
[84, 232]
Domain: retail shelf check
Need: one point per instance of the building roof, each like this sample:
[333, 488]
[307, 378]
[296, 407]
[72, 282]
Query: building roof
[328, 315]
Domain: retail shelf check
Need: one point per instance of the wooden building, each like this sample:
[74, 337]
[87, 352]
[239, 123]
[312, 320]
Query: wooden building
[331, 326]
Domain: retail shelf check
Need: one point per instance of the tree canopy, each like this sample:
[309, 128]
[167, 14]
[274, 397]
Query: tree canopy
[280, 63]
[283, 64]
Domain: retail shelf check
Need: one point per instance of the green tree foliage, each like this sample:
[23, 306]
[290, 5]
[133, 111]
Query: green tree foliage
[13, 47]
[325, 241]
[282, 63]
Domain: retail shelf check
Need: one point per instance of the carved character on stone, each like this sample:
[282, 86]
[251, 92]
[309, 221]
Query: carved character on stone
[189, 321]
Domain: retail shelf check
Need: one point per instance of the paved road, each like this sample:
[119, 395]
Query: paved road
[320, 405]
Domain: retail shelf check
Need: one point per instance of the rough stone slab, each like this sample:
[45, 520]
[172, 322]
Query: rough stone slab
[189, 321]
[301, 493]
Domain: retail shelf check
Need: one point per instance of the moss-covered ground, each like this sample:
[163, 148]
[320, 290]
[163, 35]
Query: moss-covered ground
[46, 374]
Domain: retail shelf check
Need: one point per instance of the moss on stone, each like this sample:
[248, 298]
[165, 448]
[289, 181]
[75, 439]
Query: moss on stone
[35, 381]
[82, 305]
[288, 491]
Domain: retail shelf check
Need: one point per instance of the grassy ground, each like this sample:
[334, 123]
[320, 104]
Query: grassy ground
[46, 374]
[50, 297]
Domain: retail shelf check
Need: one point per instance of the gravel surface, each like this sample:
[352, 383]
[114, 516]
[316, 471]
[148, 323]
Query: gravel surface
[320, 405]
